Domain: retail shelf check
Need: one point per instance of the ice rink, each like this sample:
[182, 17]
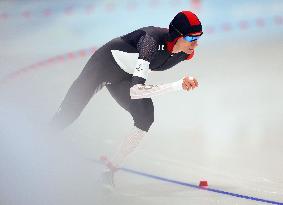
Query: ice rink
[229, 131]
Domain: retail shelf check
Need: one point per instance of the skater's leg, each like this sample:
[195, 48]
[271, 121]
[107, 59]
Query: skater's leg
[127, 146]
[142, 111]
[83, 88]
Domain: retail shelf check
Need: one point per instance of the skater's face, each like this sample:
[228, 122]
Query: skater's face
[186, 46]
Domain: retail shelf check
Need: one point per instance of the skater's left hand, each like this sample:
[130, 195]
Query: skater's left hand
[189, 83]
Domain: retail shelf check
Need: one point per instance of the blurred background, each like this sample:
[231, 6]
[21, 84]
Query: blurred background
[228, 131]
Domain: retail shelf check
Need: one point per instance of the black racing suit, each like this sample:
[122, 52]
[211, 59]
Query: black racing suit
[150, 44]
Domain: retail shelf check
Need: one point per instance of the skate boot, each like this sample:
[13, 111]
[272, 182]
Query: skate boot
[108, 175]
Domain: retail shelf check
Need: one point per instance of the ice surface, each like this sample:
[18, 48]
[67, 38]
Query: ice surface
[228, 131]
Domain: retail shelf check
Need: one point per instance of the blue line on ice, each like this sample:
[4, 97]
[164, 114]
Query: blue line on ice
[194, 186]
[197, 187]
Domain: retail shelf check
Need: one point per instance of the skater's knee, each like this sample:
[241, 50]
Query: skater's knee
[142, 111]
[144, 118]
[144, 123]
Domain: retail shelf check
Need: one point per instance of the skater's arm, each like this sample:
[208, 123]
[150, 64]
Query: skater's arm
[147, 47]
[147, 91]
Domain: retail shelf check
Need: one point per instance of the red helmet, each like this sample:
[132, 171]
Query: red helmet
[184, 23]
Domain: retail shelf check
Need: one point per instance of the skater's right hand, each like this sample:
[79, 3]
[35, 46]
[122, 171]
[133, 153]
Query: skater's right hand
[189, 83]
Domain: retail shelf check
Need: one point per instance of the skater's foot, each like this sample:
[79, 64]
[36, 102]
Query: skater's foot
[108, 175]
[107, 178]
[104, 160]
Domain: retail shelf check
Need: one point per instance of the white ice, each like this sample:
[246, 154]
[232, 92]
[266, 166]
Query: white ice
[228, 131]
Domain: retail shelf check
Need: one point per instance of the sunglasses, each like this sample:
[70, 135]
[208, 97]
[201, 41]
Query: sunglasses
[191, 38]
[187, 38]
